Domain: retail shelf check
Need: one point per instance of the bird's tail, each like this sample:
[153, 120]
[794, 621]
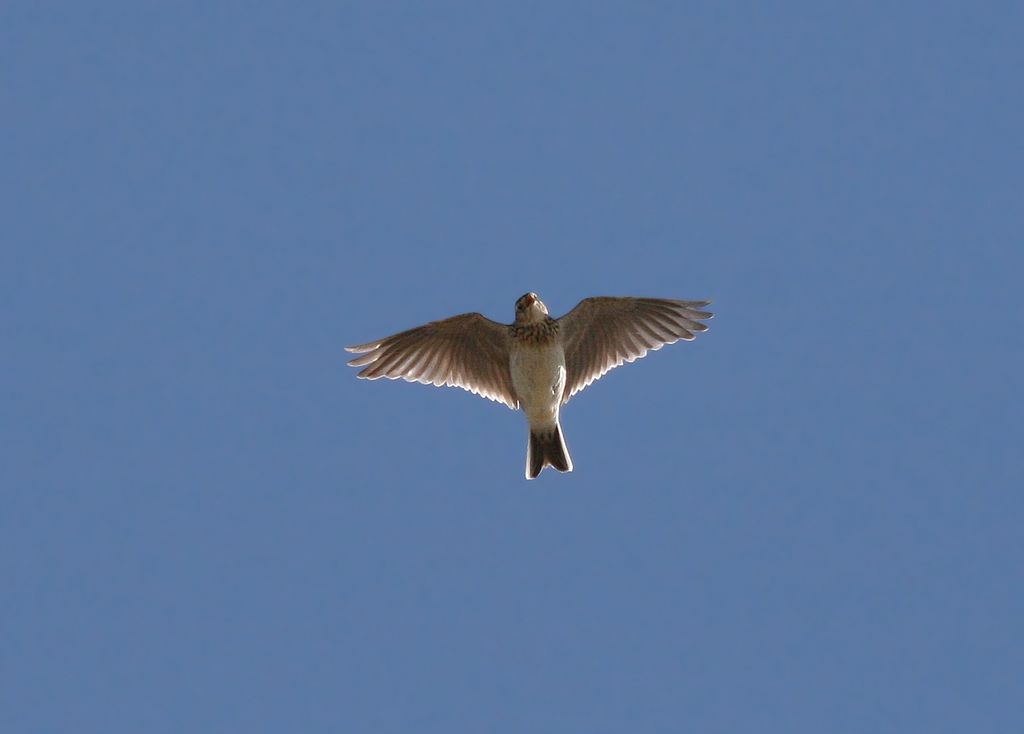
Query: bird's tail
[546, 448]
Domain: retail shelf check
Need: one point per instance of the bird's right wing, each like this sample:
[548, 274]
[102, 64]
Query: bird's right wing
[468, 351]
[602, 333]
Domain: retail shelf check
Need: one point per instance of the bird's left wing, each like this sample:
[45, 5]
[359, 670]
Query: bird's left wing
[468, 351]
[602, 333]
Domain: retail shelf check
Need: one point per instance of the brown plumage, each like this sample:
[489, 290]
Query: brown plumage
[601, 333]
[536, 363]
[468, 351]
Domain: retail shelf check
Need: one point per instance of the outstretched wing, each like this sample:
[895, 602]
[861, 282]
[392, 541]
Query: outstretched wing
[602, 333]
[468, 351]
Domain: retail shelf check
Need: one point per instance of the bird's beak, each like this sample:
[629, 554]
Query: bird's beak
[530, 299]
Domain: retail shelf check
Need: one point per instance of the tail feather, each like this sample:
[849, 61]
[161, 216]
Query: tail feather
[547, 448]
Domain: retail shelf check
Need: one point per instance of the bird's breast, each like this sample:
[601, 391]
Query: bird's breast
[538, 376]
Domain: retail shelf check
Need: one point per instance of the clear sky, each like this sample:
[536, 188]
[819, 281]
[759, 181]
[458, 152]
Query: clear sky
[808, 520]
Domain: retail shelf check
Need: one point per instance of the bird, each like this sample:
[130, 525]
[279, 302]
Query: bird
[537, 363]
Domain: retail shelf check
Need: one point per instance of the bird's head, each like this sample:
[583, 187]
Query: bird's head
[530, 309]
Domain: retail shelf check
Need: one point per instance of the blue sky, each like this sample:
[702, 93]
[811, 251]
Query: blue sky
[807, 520]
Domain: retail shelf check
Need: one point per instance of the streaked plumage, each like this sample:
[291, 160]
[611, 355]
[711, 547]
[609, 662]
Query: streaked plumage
[536, 363]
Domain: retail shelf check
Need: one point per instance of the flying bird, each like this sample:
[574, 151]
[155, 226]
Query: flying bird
[536, 363]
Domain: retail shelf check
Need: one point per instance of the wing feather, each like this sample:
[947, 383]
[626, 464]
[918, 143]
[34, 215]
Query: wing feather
[604, 332]
[468, 351]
